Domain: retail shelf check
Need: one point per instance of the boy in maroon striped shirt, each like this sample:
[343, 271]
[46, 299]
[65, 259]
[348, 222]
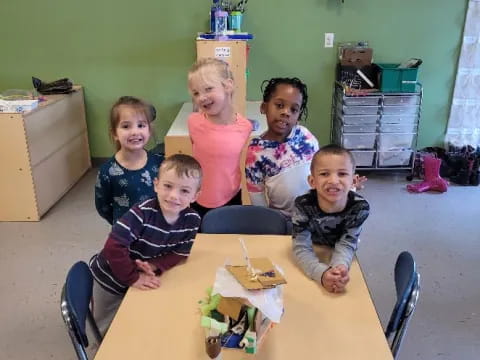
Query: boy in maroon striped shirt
[152, 237]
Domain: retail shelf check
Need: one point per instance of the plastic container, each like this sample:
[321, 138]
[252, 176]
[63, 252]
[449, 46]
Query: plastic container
[360, 110]
[359, 119]
[394, 79]
[362, 100]
[368, 128]
[398, 119]
[401, 100]
[235, 21]
[358, 141]
[400, 109]
[394, 158]
[221, 22]
[215, 7]
[395, 141]
[398, 128]
[363, 158]
[17, 106]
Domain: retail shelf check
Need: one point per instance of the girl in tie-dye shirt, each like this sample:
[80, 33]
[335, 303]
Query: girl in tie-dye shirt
[278, 162]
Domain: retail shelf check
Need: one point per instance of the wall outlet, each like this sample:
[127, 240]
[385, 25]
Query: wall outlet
[329, 39]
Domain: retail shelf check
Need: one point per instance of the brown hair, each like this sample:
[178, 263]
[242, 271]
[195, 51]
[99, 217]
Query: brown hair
[184, 166]
[138, 105]
[332, 149]
[203, 67]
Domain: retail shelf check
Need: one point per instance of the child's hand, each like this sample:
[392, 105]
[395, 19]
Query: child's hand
[146, 267]
[146, 282]
[329, 278]
[359, 181]
[342, 278]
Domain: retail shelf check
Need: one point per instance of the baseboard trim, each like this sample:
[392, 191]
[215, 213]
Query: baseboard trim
[97, 161]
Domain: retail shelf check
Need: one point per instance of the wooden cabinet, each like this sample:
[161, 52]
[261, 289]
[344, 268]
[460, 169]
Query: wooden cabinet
[43, 153]
[235, 54]
[177, 140]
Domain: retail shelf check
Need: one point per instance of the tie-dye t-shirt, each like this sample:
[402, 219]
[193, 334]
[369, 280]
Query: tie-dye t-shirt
[117, 189]
[277, 172]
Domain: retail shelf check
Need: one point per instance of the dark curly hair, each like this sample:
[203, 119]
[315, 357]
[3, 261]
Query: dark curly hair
[268, 87]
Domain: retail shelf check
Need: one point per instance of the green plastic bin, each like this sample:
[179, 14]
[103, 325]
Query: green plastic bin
[393, 79]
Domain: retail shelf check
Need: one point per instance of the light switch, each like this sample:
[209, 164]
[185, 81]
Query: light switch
[329, 40]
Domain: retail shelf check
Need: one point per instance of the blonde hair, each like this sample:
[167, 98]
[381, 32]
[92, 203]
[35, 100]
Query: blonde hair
[210, 70]
[184, 166]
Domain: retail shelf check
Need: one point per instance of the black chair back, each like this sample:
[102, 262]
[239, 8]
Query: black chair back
[244, 219]
[407, 284]
[75, 307]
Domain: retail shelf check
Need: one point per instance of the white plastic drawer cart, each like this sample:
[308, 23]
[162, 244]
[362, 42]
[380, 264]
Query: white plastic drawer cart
[380, 129]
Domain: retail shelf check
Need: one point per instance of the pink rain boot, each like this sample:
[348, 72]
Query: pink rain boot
[433, 181]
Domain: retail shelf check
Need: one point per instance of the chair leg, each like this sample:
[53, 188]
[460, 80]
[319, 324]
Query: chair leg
[79, 349]
[399, 335]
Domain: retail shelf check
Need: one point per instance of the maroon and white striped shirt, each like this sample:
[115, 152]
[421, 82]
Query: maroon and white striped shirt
[143, 233]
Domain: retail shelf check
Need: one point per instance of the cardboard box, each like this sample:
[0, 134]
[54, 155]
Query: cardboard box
[356, 56]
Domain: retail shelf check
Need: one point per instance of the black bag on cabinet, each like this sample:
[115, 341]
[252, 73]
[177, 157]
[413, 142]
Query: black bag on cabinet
[61, 86]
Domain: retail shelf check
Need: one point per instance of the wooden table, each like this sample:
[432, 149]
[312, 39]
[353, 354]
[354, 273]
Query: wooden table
[165, 323]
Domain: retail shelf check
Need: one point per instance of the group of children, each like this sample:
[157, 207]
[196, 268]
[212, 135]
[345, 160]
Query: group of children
[155, 205]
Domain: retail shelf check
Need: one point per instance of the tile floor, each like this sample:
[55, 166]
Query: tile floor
[441, 230]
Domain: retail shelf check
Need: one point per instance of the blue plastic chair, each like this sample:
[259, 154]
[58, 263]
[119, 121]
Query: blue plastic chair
[244, 219]
[407, 284]
[75, 307]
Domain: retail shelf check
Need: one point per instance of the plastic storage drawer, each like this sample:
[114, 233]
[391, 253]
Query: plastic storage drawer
[401, 100]
[368, 128]
[399, 119]
[363, 158]
[362, 100]
[359, 119]
[398, 128]
[395, 141]
[394, 158]
[400, 110]
[360, 110]
[358, 141]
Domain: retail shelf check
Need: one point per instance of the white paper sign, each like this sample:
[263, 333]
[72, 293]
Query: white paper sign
[222, 52]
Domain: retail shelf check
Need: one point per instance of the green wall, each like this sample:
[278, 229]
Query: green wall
[145, 48]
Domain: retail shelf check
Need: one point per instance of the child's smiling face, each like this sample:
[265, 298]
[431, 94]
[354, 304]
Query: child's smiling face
[332, 177]
[282, 111]
[175, 193]
[209, 91]
[133, 129]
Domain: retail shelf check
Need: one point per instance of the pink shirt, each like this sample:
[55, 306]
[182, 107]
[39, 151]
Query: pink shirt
[218, 149]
